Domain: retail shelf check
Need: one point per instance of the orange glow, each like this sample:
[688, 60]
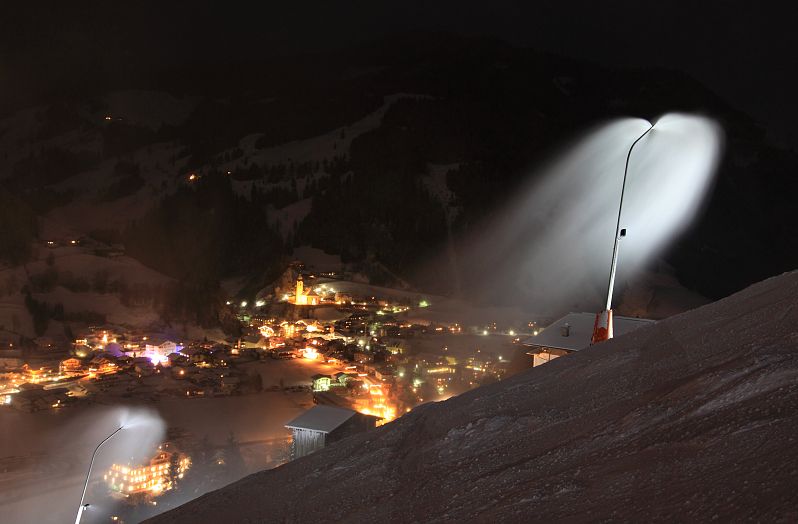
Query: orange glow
[153, 478]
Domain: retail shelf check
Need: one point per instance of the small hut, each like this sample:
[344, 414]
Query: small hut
[322, 425]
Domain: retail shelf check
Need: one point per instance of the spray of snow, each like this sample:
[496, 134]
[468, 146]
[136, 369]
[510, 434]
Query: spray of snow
[142, 432]
[65, 454]
[554, 242]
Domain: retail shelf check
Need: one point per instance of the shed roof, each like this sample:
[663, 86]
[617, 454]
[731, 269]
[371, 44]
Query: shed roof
[580, 331]
[321, 418]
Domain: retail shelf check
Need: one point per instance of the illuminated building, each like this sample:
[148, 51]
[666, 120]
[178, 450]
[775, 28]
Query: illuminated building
[266, 331]
[102, 366]
[304, 297]
[287, 330]
[158, 353]
[70, 365]
[343, 298]
[43, 374]
[310, 353]
[441, 370]
[572, 333]
[321, 382]
[154, 478]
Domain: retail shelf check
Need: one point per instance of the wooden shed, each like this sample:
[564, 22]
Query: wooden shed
[322, 425]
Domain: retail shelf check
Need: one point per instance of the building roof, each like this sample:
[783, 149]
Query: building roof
[321, 418]
[580, 331]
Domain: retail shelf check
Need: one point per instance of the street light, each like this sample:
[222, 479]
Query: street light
[602, 327]
[83, 506]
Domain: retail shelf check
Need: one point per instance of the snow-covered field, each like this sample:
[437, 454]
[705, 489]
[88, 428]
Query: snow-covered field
[317, 260]
[328, 145]
[291, 215]
[78, 263]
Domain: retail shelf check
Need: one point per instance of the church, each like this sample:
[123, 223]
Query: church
[304, 297]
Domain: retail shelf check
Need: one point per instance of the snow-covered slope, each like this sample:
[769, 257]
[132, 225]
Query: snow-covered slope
[335, 143]
[71, 264]
[328, 145]
[691, 419]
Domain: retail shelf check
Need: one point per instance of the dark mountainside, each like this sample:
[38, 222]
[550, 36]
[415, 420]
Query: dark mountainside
[492, 110]
[692, 419]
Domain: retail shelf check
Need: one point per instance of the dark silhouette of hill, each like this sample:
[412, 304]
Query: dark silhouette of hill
[493, 109]
[497, 111]
[690, 419]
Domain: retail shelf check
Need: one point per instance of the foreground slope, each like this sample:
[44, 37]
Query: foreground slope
[694, 418]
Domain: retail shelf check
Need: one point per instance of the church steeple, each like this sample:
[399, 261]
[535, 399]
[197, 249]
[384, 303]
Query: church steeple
[300, 297]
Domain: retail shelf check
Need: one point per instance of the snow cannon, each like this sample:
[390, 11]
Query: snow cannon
[602, 327]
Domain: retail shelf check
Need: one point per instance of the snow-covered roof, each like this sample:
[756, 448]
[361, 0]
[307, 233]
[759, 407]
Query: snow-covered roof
[114, 349]
[580, 331]
[321, 418]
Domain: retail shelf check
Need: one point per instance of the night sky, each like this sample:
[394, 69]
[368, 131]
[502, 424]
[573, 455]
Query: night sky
[741, 50]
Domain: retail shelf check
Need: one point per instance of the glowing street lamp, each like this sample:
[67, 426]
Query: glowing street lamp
[83, 506]
[602, 327]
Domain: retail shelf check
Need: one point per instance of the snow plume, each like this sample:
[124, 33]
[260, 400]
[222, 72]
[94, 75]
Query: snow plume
[552, 244]
[142, 432]
[66, 451]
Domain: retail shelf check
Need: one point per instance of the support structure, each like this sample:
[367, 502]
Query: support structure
[602, 327]
[82, 506]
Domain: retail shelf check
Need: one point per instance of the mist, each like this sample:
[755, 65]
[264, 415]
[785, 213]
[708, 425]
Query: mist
[57, 499]
[550, 247]
[46, 454]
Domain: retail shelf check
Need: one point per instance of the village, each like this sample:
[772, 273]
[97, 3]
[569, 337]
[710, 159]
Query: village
[370, 356]
[367, 353]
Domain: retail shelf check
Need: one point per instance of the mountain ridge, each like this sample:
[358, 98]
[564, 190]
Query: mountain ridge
[363, 192]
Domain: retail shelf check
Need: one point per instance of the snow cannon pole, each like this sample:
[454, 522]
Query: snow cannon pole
[602, 327]
[82, 507]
